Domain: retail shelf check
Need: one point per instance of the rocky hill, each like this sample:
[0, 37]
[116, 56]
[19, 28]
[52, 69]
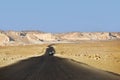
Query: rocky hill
[37, 37]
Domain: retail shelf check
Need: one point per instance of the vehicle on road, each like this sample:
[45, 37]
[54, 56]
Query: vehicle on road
[50, 50]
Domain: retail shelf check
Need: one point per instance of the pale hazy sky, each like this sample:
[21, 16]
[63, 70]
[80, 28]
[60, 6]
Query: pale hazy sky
[60, 15]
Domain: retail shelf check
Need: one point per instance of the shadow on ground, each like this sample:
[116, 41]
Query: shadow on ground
[53, 68]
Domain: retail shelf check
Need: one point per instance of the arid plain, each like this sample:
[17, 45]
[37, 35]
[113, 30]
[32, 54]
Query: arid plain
[102, 55]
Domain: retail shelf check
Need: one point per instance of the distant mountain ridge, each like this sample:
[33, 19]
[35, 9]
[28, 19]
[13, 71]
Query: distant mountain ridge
[37, 37]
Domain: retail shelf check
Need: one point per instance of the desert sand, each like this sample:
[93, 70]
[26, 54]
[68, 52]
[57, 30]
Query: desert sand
[86, 60]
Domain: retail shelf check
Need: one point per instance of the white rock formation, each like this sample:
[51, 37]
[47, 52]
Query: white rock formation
[3, 39]
[36, 37]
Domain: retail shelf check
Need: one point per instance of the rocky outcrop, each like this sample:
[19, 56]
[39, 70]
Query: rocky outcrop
[89, 36]
[40, 37]
[36, 37]
[3, 39]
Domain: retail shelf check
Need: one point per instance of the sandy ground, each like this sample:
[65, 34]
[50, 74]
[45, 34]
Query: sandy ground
[53, 68]
[71, 61]
[103, 55]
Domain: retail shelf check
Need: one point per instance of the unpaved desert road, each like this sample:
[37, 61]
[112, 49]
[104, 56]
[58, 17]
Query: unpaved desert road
[53, 68]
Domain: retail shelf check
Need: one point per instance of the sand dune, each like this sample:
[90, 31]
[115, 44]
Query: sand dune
[53, 68]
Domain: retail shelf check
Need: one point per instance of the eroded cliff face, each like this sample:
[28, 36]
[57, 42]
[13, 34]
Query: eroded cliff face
[89, 36]
[36, 37]
[3, 39]
[40, 37]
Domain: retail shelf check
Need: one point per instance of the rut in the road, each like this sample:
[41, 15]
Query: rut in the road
[53, 68]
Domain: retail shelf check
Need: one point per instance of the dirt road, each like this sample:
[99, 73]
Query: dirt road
[53, 68]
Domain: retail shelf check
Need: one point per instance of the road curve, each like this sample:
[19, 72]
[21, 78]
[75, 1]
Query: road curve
[53, 68]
